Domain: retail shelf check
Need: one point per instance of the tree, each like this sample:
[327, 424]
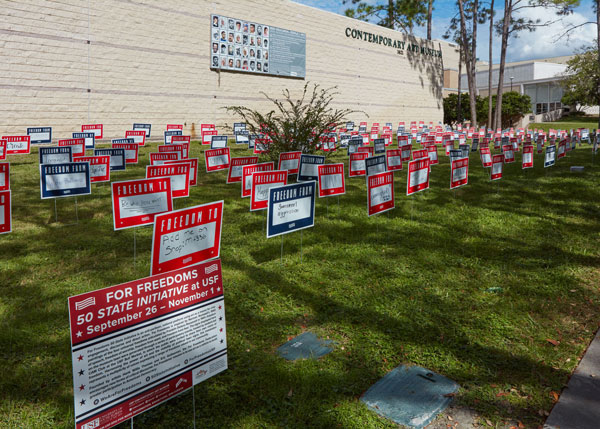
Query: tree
[581, 79]
[490, 122]
[452, 112]
[394, 14]
[429, 15]
[515, 106]
[511, 24]
[295, 124]
[470, 44]
[572, 97]
[463, 29]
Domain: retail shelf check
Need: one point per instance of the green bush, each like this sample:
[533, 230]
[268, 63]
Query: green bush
[295, 124]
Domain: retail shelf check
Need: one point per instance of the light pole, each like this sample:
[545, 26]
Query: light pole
[511, 79]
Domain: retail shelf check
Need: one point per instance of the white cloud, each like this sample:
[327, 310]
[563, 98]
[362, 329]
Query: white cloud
[543, 42]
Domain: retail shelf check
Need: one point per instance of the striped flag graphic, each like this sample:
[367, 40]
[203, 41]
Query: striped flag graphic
[211, 269]
[85, 303]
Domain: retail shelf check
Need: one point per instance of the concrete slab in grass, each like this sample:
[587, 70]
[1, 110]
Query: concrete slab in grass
[304, 346]
[410, 395]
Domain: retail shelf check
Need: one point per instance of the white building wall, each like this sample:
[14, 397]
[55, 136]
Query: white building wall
[64, 63]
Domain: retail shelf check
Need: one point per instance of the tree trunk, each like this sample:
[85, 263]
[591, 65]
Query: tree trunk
[490, 122]
[468, 62]
[473, 99]
[505, 26]
[391, 14]
[458, 105]
[429, 14]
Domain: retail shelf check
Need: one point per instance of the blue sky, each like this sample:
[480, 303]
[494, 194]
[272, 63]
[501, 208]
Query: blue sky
[542, 43]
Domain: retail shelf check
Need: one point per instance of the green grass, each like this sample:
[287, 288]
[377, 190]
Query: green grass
[407, 287]
[566, 123]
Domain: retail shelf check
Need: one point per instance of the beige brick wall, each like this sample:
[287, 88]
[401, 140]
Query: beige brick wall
[148, 61]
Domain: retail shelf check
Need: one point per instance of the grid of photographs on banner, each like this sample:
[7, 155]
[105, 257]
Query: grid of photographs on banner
[239, 45]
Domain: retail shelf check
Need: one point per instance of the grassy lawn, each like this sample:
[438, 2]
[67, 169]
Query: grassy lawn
[469, 284]
[567, 123]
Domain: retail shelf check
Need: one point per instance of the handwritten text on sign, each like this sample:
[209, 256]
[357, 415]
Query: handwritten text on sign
[290, 208]
[64, 180]
[261, 183]
[380, 193]
[217, 159]
[248, 171]
[99, 167]
[17, 145]
[186, 237]
[136, 202]
[140, 343]
[56, 155]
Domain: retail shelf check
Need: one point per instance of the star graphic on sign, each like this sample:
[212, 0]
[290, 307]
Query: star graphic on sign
[221, 318]
[221, 341]
[218, 289]
[221, 330]
[220, 307]
[82, 387]
[80, 357]
[82, 402]
[81, 371]
[79, 334]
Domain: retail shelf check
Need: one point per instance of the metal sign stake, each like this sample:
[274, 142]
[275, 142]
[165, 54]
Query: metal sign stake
[194, 403]
[76, 211]
[300, 246]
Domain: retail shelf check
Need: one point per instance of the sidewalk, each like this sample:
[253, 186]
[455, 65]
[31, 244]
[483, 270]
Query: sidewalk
[579, 403]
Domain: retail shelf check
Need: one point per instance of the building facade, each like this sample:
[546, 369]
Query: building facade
[70, 62]
[539, 79]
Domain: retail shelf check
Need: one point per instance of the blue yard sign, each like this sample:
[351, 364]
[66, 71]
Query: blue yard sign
[309, 167]
[40, 134]
[56, 155]
[117, 158]
[64, 180]
[291, 208]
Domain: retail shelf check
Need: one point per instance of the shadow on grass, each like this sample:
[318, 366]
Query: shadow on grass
[388, 289]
